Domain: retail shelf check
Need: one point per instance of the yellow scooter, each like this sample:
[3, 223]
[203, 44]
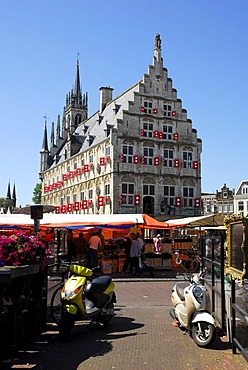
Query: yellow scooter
[84, 296]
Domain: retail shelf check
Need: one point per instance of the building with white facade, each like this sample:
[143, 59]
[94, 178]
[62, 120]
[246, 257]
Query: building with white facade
[241, 198]
[137, 154]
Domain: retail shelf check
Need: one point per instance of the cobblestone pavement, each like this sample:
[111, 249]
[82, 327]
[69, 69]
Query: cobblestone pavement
[140, 336]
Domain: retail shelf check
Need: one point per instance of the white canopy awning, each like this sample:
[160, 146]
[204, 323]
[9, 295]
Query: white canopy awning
[204, 221]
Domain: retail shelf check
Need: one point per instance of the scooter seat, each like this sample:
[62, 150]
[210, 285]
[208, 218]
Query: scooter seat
[99, 284]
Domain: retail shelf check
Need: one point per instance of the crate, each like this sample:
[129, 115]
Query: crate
[106, 267]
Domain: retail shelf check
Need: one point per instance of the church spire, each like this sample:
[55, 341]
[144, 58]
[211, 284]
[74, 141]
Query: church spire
[77, 87]
[8, 192]
[14, 196]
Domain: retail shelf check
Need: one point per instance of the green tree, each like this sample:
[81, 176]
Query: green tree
[37, 193]
[6, 203]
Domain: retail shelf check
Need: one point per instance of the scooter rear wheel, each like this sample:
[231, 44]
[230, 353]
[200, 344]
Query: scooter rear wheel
[104, 319]
[203, 333]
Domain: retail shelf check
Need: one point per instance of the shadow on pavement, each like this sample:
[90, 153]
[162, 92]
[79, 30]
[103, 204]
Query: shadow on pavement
[86, 340]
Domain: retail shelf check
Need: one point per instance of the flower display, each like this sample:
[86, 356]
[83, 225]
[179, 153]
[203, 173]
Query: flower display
[21, 249]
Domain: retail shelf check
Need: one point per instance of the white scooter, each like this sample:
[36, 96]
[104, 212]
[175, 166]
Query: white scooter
[192, 309]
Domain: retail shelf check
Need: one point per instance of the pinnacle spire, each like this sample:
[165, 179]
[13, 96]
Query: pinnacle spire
[45, 142]
[52, 135]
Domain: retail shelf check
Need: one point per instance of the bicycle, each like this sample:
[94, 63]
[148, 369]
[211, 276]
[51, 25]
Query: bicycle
[55, 302]
[191, 261]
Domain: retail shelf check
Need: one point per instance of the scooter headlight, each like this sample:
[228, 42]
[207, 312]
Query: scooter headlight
[198, 293]
[69, 294]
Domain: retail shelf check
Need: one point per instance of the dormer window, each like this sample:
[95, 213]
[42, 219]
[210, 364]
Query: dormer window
[116, 108]
[100, 118]
[107, 129]
[91, 139]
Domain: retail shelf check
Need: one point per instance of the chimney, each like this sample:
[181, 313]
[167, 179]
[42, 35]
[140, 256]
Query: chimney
[105, 97]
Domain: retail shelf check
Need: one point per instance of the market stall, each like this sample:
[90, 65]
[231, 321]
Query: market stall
[114, 227]
[187, 233]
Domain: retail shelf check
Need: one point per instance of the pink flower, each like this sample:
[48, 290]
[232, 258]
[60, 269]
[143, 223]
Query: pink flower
[21, 249]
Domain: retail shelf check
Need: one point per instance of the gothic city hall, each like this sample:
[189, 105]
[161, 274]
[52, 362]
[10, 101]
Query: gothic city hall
[137, 154]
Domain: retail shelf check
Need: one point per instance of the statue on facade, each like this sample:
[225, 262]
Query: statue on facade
[157, 41]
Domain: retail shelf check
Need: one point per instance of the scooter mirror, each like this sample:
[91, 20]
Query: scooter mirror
[178, 261]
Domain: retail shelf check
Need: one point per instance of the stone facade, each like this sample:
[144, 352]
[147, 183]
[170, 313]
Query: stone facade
[137, 154]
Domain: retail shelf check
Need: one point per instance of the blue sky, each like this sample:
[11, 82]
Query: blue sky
[204, 47]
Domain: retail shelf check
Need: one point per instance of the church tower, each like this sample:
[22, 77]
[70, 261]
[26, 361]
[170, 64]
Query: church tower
[75, 112]
[76, 108]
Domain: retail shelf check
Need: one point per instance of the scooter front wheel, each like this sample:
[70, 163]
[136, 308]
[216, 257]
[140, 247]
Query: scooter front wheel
[203, 333]
[66, 324]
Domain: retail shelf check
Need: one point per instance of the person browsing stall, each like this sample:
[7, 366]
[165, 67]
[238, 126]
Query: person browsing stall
[94, 244]
[135, 252]
[81, 246]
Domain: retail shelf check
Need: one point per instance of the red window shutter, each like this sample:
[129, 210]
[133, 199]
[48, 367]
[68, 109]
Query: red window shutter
[174, 113]
[197, 202]
[137, 200]
[59, 184]
[54, 186]
[63, 209]
[107, 199]
[50, 188]
[195, 165]
[84, 204]
[71, 174]
[156, 134]
[135, 159]
[142, 109]
[57, 209]
[142, 133]
[90, 203]
[178, 201]
[69, 207]
[161, 135]
[102, 161]
[107, 160]
[76, 206]
[175, 136]
[156, 161]
[176, 163]
[46, 189]
[155, 111]
[64, 176]
[78, 171]
[100, 201]
[122, 199]
[86, 168]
